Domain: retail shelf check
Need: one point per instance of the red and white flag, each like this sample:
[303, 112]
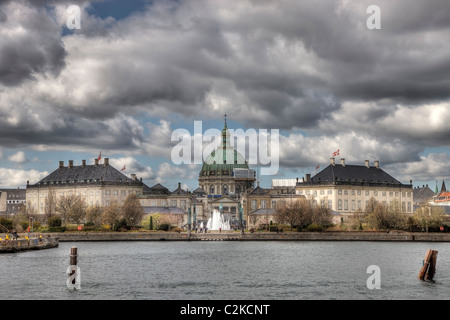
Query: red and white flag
[336, 153]
[123, 169]
[317, 167]
[100, 155]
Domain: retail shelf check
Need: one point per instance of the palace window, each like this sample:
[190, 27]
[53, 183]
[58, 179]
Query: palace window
[345, 204]
[339, 204]
[253, 204]
[263, 204]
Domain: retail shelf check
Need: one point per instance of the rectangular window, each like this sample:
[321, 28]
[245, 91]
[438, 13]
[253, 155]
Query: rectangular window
[307, 192]
[330, 204]
[353, 205]
[299, 191]
[274, 204]
[183, 204]
[403, 206]
[116, 192]
[345, 191]
[409, 206]
[375, 193]
[403, 194]
[345, 204]
[339, 204]
[253, 204]
[322, 191]
[367, 192]
[391, 193]
[359, 192]
[153, 203]
[383, 193]
[329, 191]
[339, 191]
[353, 192]
[173, 203]
[314, 192]
[359, 205]
[108, 192]
[123, 192]
[263, 204]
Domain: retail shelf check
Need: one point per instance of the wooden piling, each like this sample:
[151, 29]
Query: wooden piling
[428, 269]
[73, 261]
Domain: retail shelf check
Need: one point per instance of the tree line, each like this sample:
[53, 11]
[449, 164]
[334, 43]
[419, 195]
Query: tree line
[72, 209]
[303, 213]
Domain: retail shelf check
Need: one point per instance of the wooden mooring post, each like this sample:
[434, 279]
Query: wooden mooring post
[74, 279]
[428, 269]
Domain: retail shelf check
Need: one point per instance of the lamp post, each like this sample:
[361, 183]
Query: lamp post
[189, 222]
[195, 217]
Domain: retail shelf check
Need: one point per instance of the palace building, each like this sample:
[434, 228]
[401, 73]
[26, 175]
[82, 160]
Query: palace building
[347, 189]
[98, 184]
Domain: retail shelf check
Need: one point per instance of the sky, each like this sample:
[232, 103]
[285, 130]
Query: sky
[136, 71]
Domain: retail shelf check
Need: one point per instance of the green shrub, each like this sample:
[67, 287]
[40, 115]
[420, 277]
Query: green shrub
[314, 227]
[54, 221]
[7, 223]
[56, 229]
[164, 227]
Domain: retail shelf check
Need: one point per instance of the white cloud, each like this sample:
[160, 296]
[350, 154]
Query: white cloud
[13, 178]
[18, 157]
[132, 166]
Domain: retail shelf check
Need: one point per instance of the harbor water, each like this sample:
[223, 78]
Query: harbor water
[227, 270]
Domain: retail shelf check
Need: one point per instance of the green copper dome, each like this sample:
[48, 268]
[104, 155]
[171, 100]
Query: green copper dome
[224, 159]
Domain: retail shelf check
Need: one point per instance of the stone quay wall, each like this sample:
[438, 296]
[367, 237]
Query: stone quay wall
[257, 236]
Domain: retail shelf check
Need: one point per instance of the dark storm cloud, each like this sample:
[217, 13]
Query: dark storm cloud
[30, 43]
[309, 65]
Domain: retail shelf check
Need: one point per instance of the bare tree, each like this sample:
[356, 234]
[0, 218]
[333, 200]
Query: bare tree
[428, 216]
[77, 212]
[112, 214]
[50, 204]
[94, 215]
[132, 210]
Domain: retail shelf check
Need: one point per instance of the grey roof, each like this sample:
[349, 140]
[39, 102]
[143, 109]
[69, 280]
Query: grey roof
[179, 190]
[163, 210]
[156, 189]
[266, 211]
[422, 194]
[101, 173]
[258, 190]
[199, 191]
[355, 175]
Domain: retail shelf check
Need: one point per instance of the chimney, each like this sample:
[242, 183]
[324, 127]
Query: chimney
[96, 161]
[133, 176]
[106, 163]
[61, 164]
[343, 162]
[308, 177]
[377, 164]
[367, 163]
[83, 163]
[70, 163]
[332, 162]
[179, 185]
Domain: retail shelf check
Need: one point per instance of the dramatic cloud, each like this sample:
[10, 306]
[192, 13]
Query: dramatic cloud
[311, 69]
[30, 43]
[13, 178]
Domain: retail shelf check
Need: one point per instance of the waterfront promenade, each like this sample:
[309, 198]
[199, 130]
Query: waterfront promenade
[256, 236]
